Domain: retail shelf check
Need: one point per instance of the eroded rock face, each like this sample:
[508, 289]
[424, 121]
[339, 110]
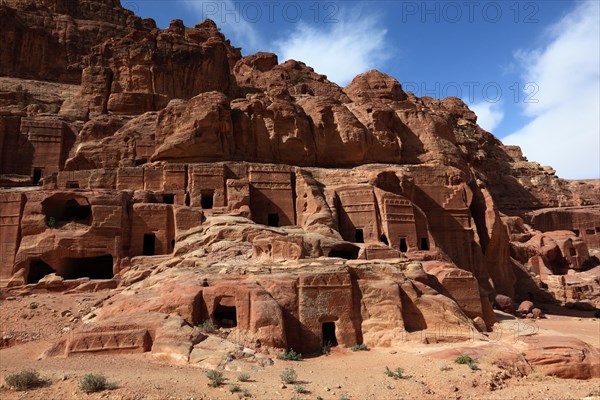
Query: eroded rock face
[264, 198]
[563, 357]
[145, 69]
[60, 33]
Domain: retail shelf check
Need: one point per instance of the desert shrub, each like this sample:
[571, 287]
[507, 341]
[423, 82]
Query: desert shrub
[207, 326]
[344, 396]
[398, 373]
[468, 361]
[235, 388]
[51, 222]
[243, 377]
[23, 380]
[215, 377]
[300, 389]
[288, 376]
[33, 306]
[359, 347]
[290, 356]
[94, 383]
[463, 360]
[245, 393]
[597, 313]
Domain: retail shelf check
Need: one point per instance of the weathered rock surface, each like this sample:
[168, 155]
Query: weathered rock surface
[264, 198]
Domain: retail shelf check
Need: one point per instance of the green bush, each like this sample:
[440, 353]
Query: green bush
[463, 360]
[94, 383]
[471, 363]
[23, 380]
[215, 377]
[243, 377]
[207, 326]
[288, 376]
[235, 388]
[290, 356]
[359, 347]
[300, 389]
[51, 222]
[398, 373]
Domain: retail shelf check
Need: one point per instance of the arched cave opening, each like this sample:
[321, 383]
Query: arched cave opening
[37, 270]
[225, 314]
[100, 267]
[345, 251]
[69, 209]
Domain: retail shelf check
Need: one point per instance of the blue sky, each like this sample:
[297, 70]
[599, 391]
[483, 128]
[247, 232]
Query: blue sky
[530, 69]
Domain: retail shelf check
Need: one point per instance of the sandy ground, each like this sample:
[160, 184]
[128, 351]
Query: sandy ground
[357, 375]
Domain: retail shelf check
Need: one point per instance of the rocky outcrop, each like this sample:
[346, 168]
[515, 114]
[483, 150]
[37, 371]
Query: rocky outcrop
[263, 198]
[60, 33]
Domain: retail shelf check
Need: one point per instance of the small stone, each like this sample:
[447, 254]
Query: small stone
[393, 352]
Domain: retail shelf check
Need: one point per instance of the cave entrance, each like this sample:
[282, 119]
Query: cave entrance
[424, 244]
[88, 267]
[149, 244]
[207, 199]
[69, 209]
[37, 176]
[273, 220]
[328, 334]
[359, 236]
[403, 245]
[168, 199]
[347, 252]
[225, 314]
[74, 211]
[573, 252]
[37, 270]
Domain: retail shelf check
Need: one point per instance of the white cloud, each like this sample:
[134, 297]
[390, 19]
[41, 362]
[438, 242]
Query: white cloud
[489, 115]
[565, 130]
[339, 50]
[230, 17]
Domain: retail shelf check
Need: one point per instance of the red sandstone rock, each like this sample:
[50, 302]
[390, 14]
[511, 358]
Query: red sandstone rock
[504, 303]
[563, 357]
[208, 186]
[525, 307]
